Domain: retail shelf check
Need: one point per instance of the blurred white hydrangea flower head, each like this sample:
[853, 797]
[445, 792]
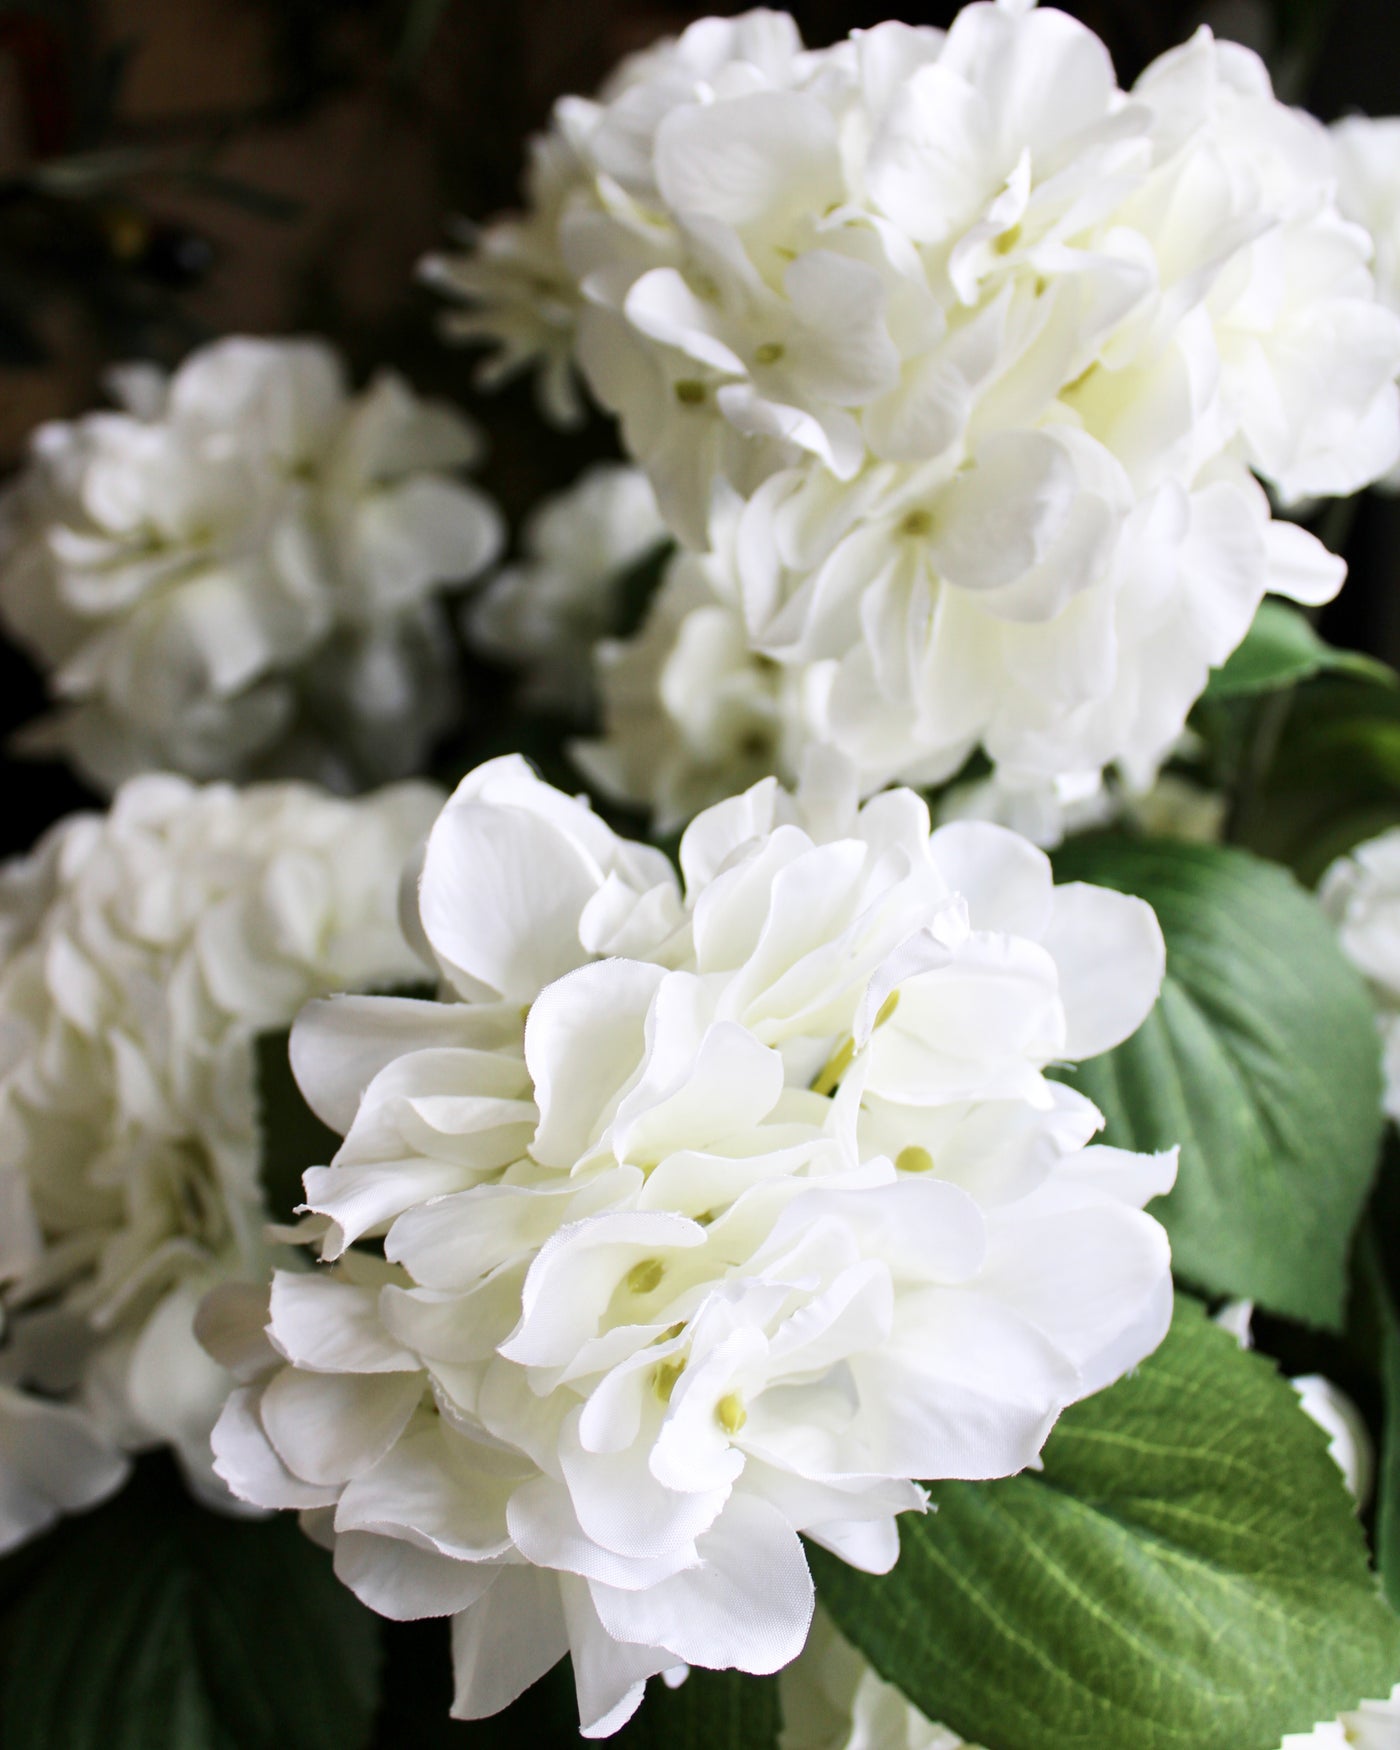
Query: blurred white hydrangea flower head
[545, 613]
[711, 1214]
[141, 954]
[1361, 894]
[993, 348]
[239, 570]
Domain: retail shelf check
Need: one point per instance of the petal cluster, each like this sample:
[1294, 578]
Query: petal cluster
[239, 570]
[992, 351]
[705, 1215]
[141, 954]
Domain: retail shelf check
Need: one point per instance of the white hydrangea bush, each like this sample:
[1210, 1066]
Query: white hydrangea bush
[240, 570]
[993, 350]
[142, 952]
[710, 1214]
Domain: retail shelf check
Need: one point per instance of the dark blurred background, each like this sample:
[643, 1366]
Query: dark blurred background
[175, 169]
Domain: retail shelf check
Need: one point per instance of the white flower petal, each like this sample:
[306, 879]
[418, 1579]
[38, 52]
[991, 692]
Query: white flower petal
[405, 1583]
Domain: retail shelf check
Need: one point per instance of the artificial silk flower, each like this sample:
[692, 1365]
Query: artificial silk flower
[993, 350]
[141, 954]
[1361, 894]
[239, 571]
[832, 1699]
[704, 1214]
[545, 613]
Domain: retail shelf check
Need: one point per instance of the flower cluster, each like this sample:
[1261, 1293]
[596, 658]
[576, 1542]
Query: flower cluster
[238, 571]
[1361, 894]
[991, 351]
[710, 1215]
[141, 953]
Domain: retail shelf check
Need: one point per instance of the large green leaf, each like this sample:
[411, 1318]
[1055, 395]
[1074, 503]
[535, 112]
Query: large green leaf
[1187, 1573]
[1260, 1060]
[154, 1625]
[1281, 649]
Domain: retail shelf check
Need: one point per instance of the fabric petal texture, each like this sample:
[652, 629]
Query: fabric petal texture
[690, 1251]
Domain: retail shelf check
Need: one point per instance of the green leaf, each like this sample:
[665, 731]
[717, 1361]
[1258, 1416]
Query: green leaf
[1281, 649]
[293, 1137]
[712, 1710]
[1186, 1573]
[1334, 778]
[155, 1625]
[1261, 1060]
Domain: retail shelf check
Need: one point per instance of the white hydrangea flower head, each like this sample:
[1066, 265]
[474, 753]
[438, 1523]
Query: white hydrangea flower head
[992, 346]
[711, 1214]
[141, 954]
[832, 1699]
[545, 613]
[239, 571]
[1361, 894]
